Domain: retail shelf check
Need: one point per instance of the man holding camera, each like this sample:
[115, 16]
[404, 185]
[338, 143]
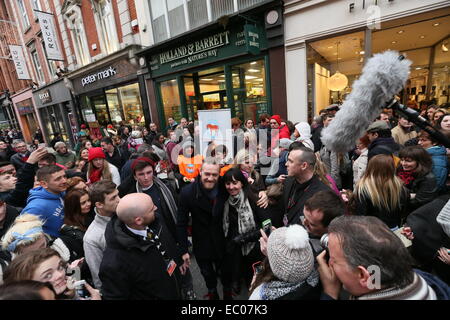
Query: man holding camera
[370, 262]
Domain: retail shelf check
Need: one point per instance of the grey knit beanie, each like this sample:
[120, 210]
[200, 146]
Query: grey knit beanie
[290, 255]
[443, 218]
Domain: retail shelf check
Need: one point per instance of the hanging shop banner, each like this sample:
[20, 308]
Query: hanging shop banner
[19, 62]
[47, 23]
[219, 45]
[215, 127]
[252, 39]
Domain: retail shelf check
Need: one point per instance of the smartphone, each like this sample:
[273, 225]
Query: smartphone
[81, 290]
[267, 226]
[257, 267]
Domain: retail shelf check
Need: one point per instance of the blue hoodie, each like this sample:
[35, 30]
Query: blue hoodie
[49, 207]
[440, 165]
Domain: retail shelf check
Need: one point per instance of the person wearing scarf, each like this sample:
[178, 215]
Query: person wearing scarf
[241, 221]
[100, 170]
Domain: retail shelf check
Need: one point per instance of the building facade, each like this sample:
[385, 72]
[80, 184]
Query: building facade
[352, 32]
[207, 54]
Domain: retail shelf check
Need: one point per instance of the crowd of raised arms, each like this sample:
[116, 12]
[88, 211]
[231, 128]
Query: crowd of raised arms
[277, 216]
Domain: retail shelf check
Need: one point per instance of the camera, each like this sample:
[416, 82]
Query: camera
[324, 244]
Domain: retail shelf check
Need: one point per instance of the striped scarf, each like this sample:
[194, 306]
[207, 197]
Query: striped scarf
[417, 290]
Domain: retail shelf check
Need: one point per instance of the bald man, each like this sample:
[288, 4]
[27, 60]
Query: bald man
[141, 260]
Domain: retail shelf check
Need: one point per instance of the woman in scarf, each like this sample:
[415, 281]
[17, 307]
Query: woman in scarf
[100, 169]
[242, 219]
[415, 171]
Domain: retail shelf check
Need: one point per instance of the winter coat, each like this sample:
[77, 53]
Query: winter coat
[25, 181]
[428, 233]
[18, 160]
[425, 188]
[382, 146]
[440, 164]
[308, 188]
[359, 167]
[207, 231]
[94, 245]
[63, 159]
[10, 216]
[134, 269]
[393, 218]
[118, 158]
[49, 207]
[401, 136]
[168, 211]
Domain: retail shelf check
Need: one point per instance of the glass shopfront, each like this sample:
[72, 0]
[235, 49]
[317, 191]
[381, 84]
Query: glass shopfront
[185, 94]
[116, 105]
[215, 69]
[425, 42]
[52, 119]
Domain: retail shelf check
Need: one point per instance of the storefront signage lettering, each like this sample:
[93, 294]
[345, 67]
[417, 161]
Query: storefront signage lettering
[111, 71]
[239, 40]
[196, 50]
[47, 24]
[45, 96]
[352, 5]
[19, 62]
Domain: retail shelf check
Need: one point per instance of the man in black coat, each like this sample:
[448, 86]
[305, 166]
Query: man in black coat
[381, 141]
[300, 185]
[114, 155]
[199, 199]
[141, 260]
[19, 159]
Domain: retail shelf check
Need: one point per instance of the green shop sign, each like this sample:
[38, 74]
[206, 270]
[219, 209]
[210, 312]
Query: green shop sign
[217, 46]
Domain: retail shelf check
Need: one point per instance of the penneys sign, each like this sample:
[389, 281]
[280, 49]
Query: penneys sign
[111, 71]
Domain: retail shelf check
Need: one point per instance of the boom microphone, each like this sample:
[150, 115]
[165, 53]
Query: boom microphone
[383, 76]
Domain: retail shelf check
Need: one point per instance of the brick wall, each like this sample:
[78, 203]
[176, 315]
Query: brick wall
[133, 13]
[90, 27]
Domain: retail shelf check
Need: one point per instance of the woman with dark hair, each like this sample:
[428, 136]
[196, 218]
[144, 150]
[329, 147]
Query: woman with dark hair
[78, 215]
[415, 172]
[381, 193]
[444, 122]
[241, 219]
[159, 147]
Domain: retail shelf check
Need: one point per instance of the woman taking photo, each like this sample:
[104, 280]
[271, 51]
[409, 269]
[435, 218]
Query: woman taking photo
[381, 193]
[45, 265]
[241, 221]
[415, 172]
[100, 169]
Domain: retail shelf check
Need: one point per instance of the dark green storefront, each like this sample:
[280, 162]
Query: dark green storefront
[215, 67]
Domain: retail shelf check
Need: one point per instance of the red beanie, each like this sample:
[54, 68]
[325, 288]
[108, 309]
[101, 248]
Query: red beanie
[142, 159]
[95, 153]
[83, 126]
[277, 118]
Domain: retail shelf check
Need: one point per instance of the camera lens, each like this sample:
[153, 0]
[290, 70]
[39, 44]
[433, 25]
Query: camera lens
[324, 241]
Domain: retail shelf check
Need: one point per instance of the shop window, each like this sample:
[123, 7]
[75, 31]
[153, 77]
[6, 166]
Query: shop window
[428, 78]
[101, 110]
[343, 54]
[249, 90]
[171, 100]
[131, 104]
[106, 23]
[440, 84]
[115, 110]
[23, 13]
[177, 21]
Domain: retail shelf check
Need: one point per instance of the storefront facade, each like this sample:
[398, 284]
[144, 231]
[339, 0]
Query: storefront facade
[24, 107]
[108, 92]
[418, 29]
[56, 109]
[229, 65]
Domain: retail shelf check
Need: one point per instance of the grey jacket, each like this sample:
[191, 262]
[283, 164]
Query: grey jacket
[94, 244]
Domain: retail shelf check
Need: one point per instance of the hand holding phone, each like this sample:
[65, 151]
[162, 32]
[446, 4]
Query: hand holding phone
[267, 226]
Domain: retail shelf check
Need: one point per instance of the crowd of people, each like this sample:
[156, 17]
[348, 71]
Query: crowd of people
[280, 215]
